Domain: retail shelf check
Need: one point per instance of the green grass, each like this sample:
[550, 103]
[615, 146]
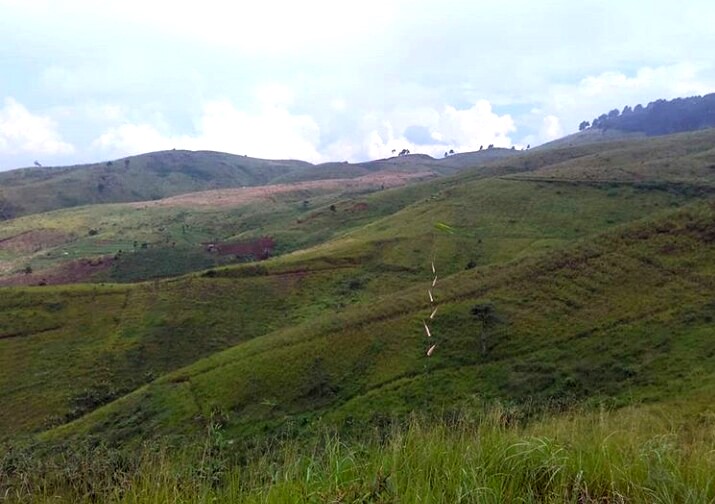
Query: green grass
[636, 176]
[596, 321]
[599, 265]
[137, 334]
[138, 178]
[646, 454]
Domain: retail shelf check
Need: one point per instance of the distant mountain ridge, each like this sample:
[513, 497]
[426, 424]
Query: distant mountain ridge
[161, 174]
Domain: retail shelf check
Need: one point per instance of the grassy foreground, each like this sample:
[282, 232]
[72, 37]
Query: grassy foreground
[642, 454]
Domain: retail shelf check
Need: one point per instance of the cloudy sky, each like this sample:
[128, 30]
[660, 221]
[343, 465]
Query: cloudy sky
[89, 80]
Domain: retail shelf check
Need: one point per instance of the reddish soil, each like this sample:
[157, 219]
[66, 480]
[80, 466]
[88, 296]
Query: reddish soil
[33, 241]
[358, 207]
[71, 272]
[260, 249]
[239, 196]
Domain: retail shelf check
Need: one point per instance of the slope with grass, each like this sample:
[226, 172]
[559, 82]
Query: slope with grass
[639, 454]
[178, 230]
[626, 317]
[62, 360]
[137, 178]
[170, 236]
[160, 174]
[574, 358]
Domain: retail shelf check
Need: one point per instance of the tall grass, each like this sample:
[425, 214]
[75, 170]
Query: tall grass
[633, 455]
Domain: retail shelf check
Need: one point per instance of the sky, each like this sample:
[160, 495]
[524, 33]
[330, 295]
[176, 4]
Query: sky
[92, 80]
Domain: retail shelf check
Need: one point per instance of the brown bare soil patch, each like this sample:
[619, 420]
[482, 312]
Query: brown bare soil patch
[258, 249]
[67, 273]
[33, 241]
[242, 195]
[358, 207]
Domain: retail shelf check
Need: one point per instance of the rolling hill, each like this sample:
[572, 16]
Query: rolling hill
[568, 278]
[129, 242]
[160, 174]
[499, 216]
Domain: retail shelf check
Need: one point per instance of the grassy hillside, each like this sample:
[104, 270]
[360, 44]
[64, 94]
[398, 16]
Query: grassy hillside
[645, 454]
[595, 321]
[53, 344]
[168, 237]
[137, 178]
[160, 174]
[570, 281]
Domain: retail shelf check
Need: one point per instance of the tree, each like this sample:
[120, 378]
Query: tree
[481, 147]
[600, 121]
[490, 146]
[332, 208]
[404, 152]
[28, 270]
[626, 110]
[487, 317]
[614, 113]
[584, 125]
[451, 151]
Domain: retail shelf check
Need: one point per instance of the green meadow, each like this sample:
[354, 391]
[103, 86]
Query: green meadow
[572, 350]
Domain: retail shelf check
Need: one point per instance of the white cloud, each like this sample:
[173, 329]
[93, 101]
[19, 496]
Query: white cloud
[24, 132]
[550, 129]
[478, 125]
[271, 132]
[254, 28]
[597, 94]
[447, 128]
[132, 139]
[334, 73]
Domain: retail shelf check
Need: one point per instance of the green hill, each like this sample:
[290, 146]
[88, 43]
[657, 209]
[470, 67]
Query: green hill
[68, 350]
[137, 178]
[574, 296]
[130, 242]
[597, 320]
[160, 174]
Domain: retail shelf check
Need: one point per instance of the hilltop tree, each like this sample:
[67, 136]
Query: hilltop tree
[486, 315]
[662, 117]
[404, 152]
[584, 125]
